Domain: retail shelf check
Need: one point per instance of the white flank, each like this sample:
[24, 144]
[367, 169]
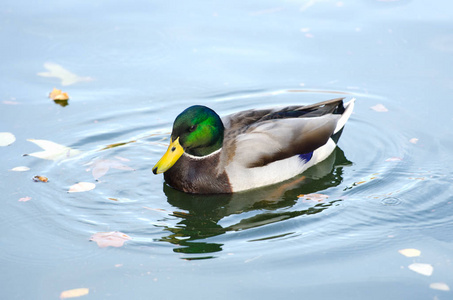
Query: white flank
[242, 178]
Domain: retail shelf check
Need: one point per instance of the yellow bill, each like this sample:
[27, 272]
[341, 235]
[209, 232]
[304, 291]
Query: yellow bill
[170, 157]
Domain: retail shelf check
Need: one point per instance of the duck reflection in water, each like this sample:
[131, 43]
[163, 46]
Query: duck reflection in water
[205, 216]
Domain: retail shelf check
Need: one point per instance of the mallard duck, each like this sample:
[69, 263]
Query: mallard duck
[251, 148]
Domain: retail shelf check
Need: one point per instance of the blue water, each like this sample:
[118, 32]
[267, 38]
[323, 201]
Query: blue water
[139, 64]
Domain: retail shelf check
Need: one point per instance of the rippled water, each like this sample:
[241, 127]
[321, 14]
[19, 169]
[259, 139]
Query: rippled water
[139, 65]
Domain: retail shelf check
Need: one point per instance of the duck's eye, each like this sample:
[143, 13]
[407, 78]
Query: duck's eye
[192, 128]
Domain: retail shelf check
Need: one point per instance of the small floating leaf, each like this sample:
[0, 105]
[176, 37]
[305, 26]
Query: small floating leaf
[52, 151]
[24, 199]
[102, 166]
[20, 169]
[424, 269]
[413, 140]
[6, 138]
[123, 200]
[439, 286]
[410, 252]
[74, 293]
[57, 94]
[117, 145]
[113, 239]
[363, 180]
[38, 178]
[379, 108]
[99, 171]
[81, 187]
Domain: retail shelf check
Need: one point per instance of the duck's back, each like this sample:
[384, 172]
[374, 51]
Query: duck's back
[262, 147]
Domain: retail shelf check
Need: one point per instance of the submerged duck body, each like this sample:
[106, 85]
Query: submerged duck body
[249, 149]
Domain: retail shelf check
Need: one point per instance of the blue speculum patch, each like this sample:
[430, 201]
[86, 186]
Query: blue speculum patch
[306, 156]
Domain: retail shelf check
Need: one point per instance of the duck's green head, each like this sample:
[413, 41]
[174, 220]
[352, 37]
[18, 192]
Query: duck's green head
[197, 131]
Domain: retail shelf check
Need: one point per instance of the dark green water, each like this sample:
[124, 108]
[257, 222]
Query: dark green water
[139, 64]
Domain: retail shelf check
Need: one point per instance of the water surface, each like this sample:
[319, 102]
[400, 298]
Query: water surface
[139, 64]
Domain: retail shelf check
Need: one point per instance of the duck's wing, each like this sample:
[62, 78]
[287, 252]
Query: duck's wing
[279, 134]
[241, 120]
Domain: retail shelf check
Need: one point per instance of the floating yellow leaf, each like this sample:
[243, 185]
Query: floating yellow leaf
[40, 178]
[74, 293]
[57, 94]
[66, 77]
[122, 200]
[81, 187]
[52, 151]
[424, 269]
[117, 145]
[6, 138]
[113, 239]
[364, 180]
[439, 286]
[20, 169]
[410, 252]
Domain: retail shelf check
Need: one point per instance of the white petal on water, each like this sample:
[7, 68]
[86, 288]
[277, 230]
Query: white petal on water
[102, 166]
[439, 286]
[20, 169]
[52, 151]
[66, 77]
[6, 138]
[379, 108]
[112, 239]
[81, 187]
[424, 269]
[74, 293]
[410, 252]
[394, 158]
